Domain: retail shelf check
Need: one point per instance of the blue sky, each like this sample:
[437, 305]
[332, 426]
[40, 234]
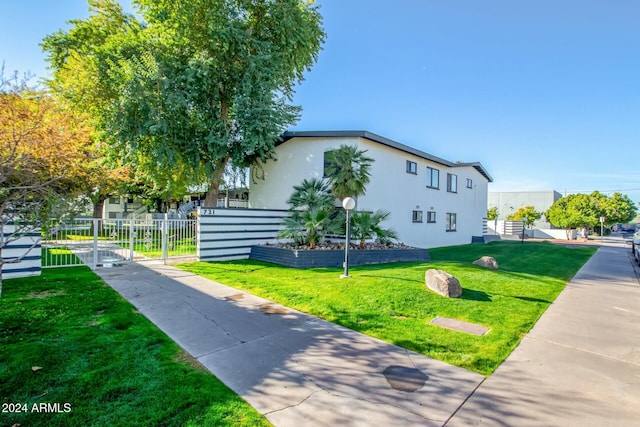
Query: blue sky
[545, 94]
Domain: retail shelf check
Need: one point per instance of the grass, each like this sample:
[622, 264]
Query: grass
[110, 364]
[390, 301]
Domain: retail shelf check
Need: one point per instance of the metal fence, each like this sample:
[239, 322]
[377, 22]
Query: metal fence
[107, 242]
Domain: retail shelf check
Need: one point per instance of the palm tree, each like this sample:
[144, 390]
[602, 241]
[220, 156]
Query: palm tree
[348, 171]
[311, 206]
[311, 193]
[367, 225]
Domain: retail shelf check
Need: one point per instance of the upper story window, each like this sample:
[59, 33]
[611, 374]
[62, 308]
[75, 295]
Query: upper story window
[452, 183]
[431, 216]
[328, 158]
[469, 183]
[412, 167]
[433, 178]
[417, 216]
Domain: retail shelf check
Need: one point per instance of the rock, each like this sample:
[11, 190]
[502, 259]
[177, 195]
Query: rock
[443, 283]
[487, 261]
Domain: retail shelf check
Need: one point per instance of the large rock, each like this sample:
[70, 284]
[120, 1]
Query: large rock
[487, 261]
[443, 283]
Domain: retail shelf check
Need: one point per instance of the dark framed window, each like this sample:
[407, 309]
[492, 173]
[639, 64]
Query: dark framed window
[431, 216]
[416, 216]
[412, 167]
[328, 159]
[433, 178]
[114, 200]
[452, 183]
[450, 222]
[469, 183]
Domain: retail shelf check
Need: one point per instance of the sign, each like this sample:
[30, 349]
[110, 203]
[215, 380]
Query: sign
[602, 219]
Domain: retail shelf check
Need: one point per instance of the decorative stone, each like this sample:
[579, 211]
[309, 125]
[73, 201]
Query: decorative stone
[488, 262]
[443, 283]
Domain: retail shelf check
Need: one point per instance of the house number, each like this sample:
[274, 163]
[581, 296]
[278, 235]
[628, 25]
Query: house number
[206, 212]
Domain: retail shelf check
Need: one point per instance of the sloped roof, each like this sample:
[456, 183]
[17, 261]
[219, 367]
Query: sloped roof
[384, 141]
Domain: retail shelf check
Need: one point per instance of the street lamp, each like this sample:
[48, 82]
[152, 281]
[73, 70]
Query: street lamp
[524, 224]
[348, 204]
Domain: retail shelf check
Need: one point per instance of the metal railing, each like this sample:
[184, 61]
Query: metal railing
[107, 242]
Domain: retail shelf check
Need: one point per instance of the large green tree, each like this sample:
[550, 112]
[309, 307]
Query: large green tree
[585, 210]
[187, 86]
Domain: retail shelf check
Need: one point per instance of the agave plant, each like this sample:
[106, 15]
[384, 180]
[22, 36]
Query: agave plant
[367, 225]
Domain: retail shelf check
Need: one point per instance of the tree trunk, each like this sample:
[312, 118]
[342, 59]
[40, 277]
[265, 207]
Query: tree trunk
[211, 200]
[98, 206]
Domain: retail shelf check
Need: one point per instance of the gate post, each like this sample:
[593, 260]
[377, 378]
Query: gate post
[95, 242]
[165, 245]
[131, 231]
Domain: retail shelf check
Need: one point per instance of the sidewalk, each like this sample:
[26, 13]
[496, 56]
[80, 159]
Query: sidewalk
[295, 369]
[580, 364]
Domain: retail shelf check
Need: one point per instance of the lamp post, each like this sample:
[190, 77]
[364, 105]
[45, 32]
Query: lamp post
[348, 204]
[524, 224]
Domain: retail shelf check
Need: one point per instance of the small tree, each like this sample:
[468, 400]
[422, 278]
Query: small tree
[527, 212]
[43, 155]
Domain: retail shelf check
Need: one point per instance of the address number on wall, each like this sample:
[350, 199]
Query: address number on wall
[205, 211]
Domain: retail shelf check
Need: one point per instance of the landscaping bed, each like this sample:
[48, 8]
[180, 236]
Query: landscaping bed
[331, 256]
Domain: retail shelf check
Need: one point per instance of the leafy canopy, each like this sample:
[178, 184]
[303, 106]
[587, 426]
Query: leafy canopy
[186, 86]
[348, 170]
[585, 210]
[44, 153]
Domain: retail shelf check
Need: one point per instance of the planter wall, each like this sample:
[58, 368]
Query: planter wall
[304, 258]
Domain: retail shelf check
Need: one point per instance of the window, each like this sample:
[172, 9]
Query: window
[328, 157]
[114, 200]
[412, 167]
[450, 222]
[469, 183]
[417, 216]
[452, 183]
[433, 178]
[431, 216]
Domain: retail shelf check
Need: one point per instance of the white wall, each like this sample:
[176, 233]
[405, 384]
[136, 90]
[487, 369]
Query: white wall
[391, 188]
[508, 202]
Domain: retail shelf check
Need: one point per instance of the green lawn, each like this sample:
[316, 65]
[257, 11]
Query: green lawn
[67, 338]
[390, 301]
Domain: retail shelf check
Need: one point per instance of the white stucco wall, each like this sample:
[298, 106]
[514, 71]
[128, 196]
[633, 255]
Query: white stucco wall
[391, 188]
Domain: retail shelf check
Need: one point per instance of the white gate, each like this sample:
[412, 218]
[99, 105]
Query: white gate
[107, 242]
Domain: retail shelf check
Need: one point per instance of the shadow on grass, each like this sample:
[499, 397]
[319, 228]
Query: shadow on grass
[474, 295]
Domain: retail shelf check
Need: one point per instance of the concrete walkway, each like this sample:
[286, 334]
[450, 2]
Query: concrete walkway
[579, 366]
[295, 369]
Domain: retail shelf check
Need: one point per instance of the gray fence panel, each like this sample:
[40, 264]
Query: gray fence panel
[24, 245]
[229, 233]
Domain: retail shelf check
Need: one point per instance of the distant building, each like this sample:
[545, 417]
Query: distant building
[508, 202]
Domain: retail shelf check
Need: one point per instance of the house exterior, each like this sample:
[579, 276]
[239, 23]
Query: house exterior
[433, 202]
